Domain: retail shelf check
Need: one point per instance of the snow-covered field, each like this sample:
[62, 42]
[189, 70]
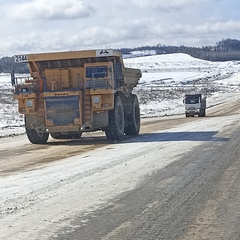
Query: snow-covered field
[165, 80]
[11, 122]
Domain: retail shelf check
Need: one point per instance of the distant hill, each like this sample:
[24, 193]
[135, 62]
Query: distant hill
[224, 50]
[7, 65]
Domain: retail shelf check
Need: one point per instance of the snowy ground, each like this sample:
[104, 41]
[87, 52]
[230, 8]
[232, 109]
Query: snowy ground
[165, 80]
[11, 122]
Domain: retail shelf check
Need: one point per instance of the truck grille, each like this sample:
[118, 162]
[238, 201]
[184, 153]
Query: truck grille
[100, 83]
[62, 109]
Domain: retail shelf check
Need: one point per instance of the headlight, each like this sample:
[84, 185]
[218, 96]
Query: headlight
[29, 103]
[96, 99]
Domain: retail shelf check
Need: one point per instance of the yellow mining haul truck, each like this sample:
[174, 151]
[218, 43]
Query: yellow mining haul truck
[73, 92]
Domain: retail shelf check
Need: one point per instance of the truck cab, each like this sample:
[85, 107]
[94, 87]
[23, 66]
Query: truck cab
[195, 104]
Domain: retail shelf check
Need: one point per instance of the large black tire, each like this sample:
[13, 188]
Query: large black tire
[115, 128]
[36, 138]
[75, 135]
[204, 113]
[133, 119]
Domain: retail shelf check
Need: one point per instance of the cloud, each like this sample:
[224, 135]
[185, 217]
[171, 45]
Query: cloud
[218, 27]
[125, 34]
[165, 4]
[52, 25]
[13, 45]
[53, 10]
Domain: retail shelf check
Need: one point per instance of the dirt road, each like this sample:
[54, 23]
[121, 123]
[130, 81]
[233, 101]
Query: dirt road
[25, 156]
[179, 179]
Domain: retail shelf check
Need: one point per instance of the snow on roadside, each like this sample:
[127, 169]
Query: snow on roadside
[11, 122]
[167, 78]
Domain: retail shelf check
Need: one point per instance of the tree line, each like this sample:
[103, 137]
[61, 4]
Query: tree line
[224, 50]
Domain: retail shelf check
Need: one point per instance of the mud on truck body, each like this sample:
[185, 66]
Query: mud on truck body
[195, 104]
[69, 93]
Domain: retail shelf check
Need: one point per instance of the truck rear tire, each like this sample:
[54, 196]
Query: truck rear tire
[204, 113]
[133, 119]
[36, 138]
[115, 128]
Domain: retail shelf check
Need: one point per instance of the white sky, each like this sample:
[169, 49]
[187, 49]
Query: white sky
[56, 25]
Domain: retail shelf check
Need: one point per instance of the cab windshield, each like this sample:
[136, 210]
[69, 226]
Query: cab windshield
[97, 72]
[192, 100]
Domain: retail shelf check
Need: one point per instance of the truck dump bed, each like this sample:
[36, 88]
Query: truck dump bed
[48, 64]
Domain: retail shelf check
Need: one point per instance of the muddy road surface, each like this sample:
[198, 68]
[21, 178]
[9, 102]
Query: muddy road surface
[179, 179]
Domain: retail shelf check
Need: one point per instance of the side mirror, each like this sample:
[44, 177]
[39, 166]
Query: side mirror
[13, 80]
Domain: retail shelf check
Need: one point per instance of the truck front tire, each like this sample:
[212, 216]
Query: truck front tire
[36, 138]
[115, 128]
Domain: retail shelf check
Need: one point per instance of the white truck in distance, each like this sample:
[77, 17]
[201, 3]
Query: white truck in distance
[195, 104]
